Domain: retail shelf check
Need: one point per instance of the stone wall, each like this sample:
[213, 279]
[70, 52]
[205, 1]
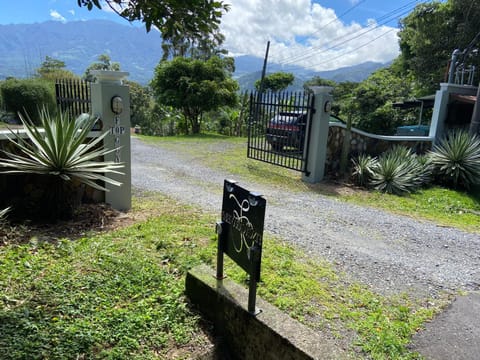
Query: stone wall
[364, 143]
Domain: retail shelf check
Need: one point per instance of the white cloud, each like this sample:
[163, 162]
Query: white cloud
[303, 33]
[55, 15]
[72, 12]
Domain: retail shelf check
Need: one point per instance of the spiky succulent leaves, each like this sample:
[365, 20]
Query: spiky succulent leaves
[3, 214]
[456, 160]
[397, 172]
[363, 169]
[61, 149]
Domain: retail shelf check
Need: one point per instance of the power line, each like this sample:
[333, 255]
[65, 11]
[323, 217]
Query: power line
[380, 22]
[358, 47]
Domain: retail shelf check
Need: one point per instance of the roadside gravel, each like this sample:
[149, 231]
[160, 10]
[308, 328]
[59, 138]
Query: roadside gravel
[389, 253]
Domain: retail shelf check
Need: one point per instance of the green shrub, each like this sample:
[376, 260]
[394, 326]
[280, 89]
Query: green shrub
[456, 160]
[64, 158]
[28, 96]
[399, 171]
[363, 169]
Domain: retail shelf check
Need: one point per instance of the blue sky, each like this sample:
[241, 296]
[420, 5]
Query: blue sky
[320, 34]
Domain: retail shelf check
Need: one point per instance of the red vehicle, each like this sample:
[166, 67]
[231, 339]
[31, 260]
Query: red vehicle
[286, 130]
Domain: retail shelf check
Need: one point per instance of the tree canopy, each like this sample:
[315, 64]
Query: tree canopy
[103, 63]
[276, 81]
[177, 20]
[52, 69]
[430, 34]
[195, 86]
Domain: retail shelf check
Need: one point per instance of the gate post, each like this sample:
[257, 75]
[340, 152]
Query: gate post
[318, 134]
[111, 103]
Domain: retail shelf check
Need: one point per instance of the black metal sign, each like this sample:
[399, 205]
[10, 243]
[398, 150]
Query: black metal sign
[240, 233]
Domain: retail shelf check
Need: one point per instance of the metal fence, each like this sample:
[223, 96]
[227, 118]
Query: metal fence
[73, 96]
[277, 128]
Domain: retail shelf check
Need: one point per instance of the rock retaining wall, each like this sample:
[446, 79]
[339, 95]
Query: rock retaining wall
[364, 143]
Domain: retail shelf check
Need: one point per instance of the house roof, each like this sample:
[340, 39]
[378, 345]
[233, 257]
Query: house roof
[427, 101]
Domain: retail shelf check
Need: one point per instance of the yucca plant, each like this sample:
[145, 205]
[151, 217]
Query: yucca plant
[59, 151]
[363, 169]
[3, 215]
[456, 160]
[398, 171]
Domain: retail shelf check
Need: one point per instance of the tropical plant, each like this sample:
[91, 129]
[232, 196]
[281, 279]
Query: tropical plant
[398, 171]
[456, 160]
[363, 169]
[3, 215]
[60, 151]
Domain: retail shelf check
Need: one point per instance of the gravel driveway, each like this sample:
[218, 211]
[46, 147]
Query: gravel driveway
[390, 253]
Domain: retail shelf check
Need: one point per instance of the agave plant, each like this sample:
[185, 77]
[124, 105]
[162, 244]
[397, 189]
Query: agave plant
[456, 160]
[398, 171]
[61, 152]
[3, 214]
[363, 169]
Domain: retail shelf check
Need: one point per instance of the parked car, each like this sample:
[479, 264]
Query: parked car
[287, 130]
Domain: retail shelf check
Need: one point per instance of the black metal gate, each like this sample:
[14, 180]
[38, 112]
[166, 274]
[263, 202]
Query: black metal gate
[73, 96]
[278, 127]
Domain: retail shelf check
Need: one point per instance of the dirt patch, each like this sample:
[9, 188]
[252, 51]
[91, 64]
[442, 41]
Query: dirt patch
[88, 219]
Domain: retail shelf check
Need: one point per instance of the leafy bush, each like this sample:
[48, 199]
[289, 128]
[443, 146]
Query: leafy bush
[24, 96]
[399, 171]
[456, 160]
[363, 169]
[61, 154]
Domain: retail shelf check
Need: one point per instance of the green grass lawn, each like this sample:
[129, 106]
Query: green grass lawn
[119, 295]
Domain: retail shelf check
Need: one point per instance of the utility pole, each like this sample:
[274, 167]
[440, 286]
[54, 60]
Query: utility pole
[264, 69]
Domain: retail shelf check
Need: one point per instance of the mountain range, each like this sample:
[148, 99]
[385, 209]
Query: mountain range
[23, 47]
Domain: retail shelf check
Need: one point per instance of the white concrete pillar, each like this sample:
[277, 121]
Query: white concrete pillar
[440, 109]
[317, 154]
[111, 102]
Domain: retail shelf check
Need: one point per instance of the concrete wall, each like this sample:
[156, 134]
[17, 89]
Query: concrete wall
[270, 335]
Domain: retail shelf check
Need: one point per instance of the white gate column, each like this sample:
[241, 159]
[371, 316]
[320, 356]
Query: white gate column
[111, 102]
[317, 154]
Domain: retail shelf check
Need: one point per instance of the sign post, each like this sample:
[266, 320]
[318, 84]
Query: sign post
[240, 234]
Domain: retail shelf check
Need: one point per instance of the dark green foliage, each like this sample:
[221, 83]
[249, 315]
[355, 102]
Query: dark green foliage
[141, 102]
[430, 34]
[28, 96]
[195, 87]
[192, 20]
[275, 82]
[456, 160]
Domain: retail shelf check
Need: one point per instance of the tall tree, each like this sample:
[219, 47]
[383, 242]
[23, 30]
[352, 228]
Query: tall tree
[430, 34]
[52, 69]
[103, 63]
[195, 86]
